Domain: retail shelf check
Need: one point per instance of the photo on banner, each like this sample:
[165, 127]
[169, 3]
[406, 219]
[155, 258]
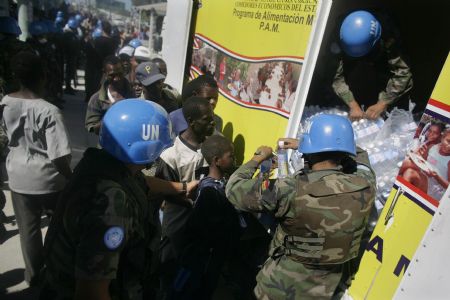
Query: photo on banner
[426, 167]
[255, 50]
[270, 84]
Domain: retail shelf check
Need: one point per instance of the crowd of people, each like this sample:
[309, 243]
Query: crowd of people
[66, 41]
[158, 210]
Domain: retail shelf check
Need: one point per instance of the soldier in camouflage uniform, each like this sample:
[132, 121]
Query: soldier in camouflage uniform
[322, 212]
[104, 236]
[372, 70]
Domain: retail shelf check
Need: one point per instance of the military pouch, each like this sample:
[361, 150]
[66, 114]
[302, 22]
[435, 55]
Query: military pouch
[310, 248]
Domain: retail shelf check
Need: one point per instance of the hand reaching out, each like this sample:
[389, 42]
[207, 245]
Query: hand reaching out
[289, 143]
[374, 111]
[262, 153]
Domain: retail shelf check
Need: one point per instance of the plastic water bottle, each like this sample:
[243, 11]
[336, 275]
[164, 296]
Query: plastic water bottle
[283, 169]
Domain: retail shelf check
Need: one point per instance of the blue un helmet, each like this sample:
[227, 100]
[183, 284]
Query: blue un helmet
[59, 21]
[9, 25]
[360, 31]
[78, 18]
[37, 28]
[60, 14]
[135, 43]
[136, 131]
[59, 24]
[72, 23]
[97, 33]
[327, 133]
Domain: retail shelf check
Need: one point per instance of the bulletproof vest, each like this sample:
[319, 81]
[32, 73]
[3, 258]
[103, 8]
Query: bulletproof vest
[326, 219]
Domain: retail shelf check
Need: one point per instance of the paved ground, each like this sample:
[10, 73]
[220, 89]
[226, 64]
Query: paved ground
[12, 285]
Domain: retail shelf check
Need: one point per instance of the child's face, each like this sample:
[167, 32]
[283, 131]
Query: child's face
[226, 161]
[445, 144]
[434, 134]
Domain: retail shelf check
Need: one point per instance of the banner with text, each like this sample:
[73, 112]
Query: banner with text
[421, 183]
[255, 50]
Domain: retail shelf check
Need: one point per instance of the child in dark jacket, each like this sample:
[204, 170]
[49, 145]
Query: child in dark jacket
[213, 227]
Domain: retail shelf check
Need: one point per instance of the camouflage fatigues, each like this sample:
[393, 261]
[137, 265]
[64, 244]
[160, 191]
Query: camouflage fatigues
[392, 79]
[102, 195]
[321, 214]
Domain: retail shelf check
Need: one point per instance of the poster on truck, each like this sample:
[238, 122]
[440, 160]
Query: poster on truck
[255, 50]
[417, 192]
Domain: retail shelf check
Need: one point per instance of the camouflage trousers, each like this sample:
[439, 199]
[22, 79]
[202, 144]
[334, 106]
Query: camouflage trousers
[283, 278]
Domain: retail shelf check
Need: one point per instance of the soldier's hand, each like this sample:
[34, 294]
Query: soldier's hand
[262, 153]
[288, 143]
[374, 111]
[356, 112]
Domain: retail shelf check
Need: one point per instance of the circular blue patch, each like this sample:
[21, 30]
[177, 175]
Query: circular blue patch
[113, 237]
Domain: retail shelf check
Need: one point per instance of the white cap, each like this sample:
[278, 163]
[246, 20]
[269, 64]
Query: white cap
[128, 50]
[281, 144]
[142, 53]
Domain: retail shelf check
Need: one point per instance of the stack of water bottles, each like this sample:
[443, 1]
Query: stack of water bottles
[386, 142]
[387, 148]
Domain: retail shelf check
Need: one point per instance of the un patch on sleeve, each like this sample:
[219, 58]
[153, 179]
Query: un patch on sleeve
[113, 237]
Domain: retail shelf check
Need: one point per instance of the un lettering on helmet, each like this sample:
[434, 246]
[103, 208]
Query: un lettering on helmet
[307, 127]
[373, 27]
[150, 132]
